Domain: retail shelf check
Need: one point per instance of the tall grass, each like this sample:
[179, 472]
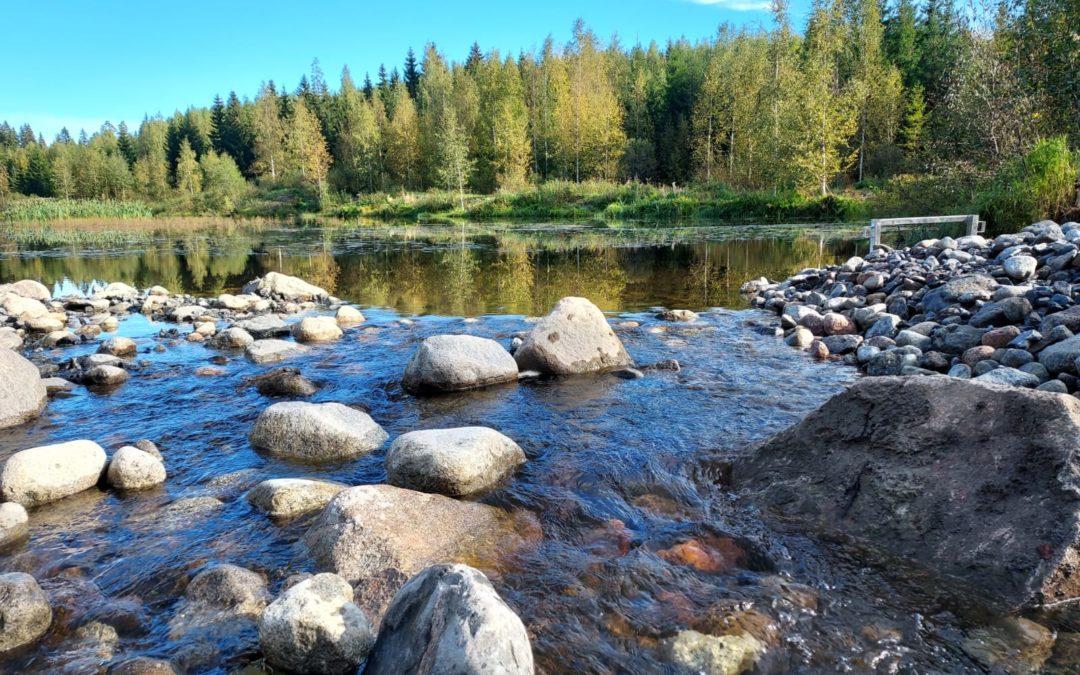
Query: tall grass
[1040, 184]
[42, 210]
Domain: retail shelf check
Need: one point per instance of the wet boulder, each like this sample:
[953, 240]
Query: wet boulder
[283, 382]
[232, 338]
[278, 285]
[449, 619]
[22, 394]
[445, 363]
[975, 481]
[677, 315]
[291, 497]
[50, 472]
[25, 613]
[316, 432]
[453, 462]
[347, 315]
[316, 329]
[105, 376]
[314, 627]
[22, 308]
[574, 338]
[377, 536]
[134, 469]
[230, 588]
[118, 346]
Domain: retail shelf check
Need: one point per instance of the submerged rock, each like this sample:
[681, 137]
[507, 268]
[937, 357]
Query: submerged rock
[105, 376]
[50, 472]
[22, 394]
[377, 536]
[14, 523]
[453, 462]
[677, 315]
[974, 481]
[448, 619]
[291, 497]
[25, 613]
[142, 665]
[691, 652]
[316, 432]
[314, 627]
[574, 338]
[446, 363]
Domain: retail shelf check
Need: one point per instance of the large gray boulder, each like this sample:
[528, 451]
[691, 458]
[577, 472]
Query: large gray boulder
[28, 288]
[314, 627]
[453, 462]
[316, 432]
[291, 497]
[978, 482]
[448, 620]
[377, 536]
[275, 284]
[50, 472]
[446, 363]
[25, 613]
[574, 338]
[22, 394]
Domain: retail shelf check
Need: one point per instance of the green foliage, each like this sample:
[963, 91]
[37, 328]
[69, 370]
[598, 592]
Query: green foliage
[1041, 183]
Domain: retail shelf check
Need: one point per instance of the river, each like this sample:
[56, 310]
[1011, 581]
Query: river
[620, 472]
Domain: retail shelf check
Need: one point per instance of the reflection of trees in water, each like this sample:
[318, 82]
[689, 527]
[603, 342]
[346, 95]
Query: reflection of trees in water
[514, 273]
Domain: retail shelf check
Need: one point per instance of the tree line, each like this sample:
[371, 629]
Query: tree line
[868, 90]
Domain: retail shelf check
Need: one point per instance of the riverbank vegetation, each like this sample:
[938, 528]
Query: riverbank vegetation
[925, 107]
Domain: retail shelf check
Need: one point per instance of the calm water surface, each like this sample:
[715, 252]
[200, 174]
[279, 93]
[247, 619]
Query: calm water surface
[620, 471]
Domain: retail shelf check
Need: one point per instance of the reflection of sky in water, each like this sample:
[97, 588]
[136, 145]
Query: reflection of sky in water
[443, 270]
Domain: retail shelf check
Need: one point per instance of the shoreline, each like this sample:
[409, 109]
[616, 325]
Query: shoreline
[1001, 310]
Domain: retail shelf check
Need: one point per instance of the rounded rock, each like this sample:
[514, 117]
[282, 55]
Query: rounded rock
[574, 338]
[316, 432]
[229, 587]
[135, 469]
[50, 472]
[446, 363]
[314, 627]
[317, 329]
[14, 523]
[453, 462]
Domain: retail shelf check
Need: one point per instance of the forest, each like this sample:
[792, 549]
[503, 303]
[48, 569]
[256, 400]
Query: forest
[906, 106]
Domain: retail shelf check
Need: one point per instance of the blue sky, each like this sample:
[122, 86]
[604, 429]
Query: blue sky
[77, 63]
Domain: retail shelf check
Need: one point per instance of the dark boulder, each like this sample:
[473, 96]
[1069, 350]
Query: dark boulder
[978, 482]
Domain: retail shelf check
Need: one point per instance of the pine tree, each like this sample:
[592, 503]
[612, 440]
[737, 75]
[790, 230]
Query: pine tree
[412, 73]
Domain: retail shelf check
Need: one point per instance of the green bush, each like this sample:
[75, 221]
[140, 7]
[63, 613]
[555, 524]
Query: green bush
[1041, 184]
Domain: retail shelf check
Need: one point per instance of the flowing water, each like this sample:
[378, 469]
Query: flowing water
[640, 539]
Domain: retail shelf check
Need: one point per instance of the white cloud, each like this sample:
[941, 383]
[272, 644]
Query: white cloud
[737, 5]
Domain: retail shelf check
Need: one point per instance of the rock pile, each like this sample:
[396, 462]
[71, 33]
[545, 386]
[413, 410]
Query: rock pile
[1003, 310]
